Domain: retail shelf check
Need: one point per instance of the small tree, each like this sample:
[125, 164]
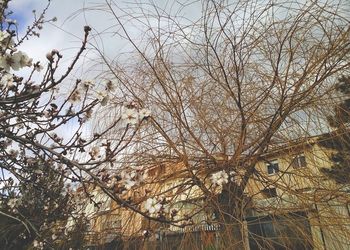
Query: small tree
[37, 208]
[40, 151]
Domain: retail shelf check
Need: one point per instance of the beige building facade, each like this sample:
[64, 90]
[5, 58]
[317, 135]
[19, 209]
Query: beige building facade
[292, 205]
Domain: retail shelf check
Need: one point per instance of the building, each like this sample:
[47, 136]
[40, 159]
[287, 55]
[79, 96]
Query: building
[290, 205]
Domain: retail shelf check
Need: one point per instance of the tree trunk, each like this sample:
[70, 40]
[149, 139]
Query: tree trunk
[230, 214]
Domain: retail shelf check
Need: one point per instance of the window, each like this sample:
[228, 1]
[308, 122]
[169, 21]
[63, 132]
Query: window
[272, 167]
[111, 223]
[152, 172]
[269, 193]
[115, 223]
[299, 161]
[289, 231]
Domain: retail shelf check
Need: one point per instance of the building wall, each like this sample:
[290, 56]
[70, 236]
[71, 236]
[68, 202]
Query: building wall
[300, 188]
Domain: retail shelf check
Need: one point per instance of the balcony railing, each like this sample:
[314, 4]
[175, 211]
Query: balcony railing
[196, 228]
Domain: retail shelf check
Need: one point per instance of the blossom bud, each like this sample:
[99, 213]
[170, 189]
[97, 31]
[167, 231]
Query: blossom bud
[54, 51]
[87, 28]
[49, 56]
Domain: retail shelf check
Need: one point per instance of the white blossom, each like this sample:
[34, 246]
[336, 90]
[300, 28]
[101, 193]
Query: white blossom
[237, 176]
[109, 85]
[35, 243]
[144, 113]
[3, 35]
[129, 183]
[38, 67]
[7, 81]
[130, 179]
[95, 152]
[87, 84]
[152, 206]
[130, 116]
[5, 39]
[38, 245]
[132, 174]
[54, 237]
[16, 61]
[103, 97]
[75, 97]
[6, 62]
[111, 183]
[22, 59]
[219, 178]
[182, 197]
[12, 202]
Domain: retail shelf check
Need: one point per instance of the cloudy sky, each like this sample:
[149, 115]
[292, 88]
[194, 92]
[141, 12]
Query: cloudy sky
[63, 37]
[65, 34]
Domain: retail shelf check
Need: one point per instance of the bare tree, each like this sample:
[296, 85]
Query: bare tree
[226, 86]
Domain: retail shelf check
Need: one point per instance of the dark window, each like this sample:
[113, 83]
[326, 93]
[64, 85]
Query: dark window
[299, 161]
[272, 167]
[151, 172]
[269, 192]
[291, 231]
[161, 169]
[112, 223]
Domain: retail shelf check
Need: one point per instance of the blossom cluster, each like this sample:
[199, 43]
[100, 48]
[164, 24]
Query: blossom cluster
[127, 179]
[5, 39]
[236, 176]
[89, 86]
[219, 178]
[14, 60]
[132, 178]
[11, 59]
[133, 116]
[153, 206]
